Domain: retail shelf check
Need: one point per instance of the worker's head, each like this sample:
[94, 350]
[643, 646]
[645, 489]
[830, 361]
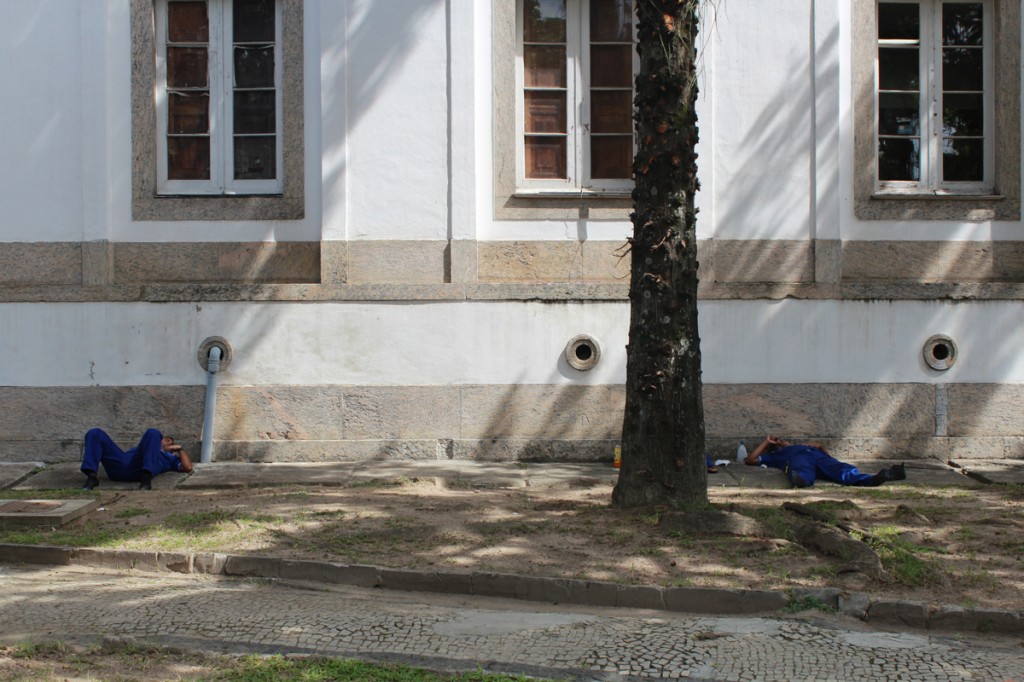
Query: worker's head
[166, 442]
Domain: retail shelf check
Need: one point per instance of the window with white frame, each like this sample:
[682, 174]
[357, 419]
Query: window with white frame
[218, 72]
[935, 97]
[574, 78]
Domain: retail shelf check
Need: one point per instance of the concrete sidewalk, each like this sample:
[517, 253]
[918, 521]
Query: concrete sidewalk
[468, 473]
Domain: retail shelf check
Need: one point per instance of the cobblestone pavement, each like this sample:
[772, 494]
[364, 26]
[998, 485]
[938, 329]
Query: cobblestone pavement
[447, 632]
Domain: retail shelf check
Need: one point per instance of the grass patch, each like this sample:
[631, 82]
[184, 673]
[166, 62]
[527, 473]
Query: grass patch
[809, 603]
[80, 537]
[131, 512]
[275, 668]
[899, 557]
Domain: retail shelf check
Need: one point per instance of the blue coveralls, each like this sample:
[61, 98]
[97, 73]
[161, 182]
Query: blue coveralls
[804, 463]
[127, 466]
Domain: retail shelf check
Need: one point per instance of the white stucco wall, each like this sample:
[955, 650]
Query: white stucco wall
[398, 114]
[456, 343]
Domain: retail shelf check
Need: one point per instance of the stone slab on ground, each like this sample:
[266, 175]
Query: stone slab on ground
[992, 471]
[35, 513]
[12, 473]
[67, 476]
[219, 475]
[454, 473]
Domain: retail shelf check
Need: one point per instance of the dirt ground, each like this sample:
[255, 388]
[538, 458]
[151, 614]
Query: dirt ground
[939, 545]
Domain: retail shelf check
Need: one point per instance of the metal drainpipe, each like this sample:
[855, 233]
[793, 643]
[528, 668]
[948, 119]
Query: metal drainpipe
[206, 456]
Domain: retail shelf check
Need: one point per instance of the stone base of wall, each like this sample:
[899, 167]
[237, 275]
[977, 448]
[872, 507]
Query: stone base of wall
[510, 423]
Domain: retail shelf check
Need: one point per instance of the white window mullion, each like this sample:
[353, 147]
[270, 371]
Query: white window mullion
[931, 94]
[220, 79]
[577, 36]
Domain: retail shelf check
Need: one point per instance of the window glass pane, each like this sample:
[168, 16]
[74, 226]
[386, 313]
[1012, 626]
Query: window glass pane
[256, 158]
[253, 21]
[254, 66]
[544, 21]
[611, 157]
[962, 68]
[961, 23]
[186, 67]
[611, 111]
[255, 112]
[544, 67]
[898, 159]
[188, 112]
[898, 68]
[611, 20]
[963, 115]
[188, 158]
[962, 160]
[187, 22]
[545, 112]
[611, 66]
[898, 114]
[546, 158]
[898, 21]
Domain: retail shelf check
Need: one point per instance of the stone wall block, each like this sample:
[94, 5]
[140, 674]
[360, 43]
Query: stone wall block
[606, 261]
[887, 410]
[290, 413]
[535, 450]
[406, 412]
[323, 571]
[397, 261]
[935, 261]
[985, 409]
[752, 410]
[45, 263]
[333, 262]
[539, 412]
[520, 261]
[216, 262]
[769, 260]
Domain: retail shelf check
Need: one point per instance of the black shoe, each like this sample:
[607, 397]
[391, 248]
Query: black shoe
[91, 482]
[897, 472]
[146, 482]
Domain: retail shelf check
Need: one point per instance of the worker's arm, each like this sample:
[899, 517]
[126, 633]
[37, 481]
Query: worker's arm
[768, 442]
[186, 461]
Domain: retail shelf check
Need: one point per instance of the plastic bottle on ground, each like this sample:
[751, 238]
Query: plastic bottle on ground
[741, 452]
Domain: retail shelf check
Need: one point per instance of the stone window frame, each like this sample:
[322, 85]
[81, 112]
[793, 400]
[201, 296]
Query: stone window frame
[1004, 203]
[147, 204]
[509, 202]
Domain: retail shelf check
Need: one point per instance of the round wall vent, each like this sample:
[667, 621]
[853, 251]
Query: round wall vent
[940, 352]
[582, 352]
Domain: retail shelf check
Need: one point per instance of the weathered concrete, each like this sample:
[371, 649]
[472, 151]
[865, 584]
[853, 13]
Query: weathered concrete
[21, 513]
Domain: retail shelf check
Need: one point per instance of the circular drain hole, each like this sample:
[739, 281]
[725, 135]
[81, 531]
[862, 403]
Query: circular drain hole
[582, 352]
[940, 352]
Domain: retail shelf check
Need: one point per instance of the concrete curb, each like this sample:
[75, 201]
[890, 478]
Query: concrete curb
[704, 601]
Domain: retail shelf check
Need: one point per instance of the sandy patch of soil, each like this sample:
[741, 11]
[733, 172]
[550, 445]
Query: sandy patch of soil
[943, 546]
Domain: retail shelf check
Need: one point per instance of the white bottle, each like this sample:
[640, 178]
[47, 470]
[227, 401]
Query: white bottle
[741, 452]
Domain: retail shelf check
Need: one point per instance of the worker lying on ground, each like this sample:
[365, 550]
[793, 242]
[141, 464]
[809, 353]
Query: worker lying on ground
[154, 455]
[804, 462]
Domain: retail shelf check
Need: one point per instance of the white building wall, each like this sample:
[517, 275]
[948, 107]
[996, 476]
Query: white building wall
[743, 342]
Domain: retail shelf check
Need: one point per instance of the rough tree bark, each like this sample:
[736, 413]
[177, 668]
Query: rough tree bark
[663, 427]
